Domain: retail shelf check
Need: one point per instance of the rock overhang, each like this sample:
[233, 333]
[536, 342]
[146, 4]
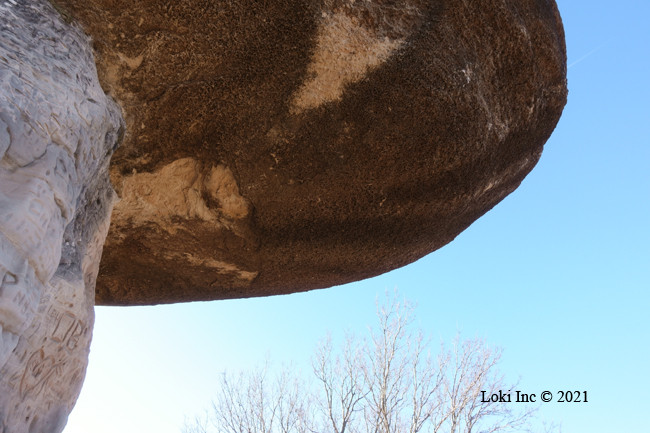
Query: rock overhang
[274, 147]
[270, 147]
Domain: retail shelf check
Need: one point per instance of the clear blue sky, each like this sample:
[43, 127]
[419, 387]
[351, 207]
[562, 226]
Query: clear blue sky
[558, 274]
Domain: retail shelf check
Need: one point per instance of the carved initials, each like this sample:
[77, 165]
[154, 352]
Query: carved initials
[68, 331]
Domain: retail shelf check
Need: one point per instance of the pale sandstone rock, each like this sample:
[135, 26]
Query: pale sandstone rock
[57, 132]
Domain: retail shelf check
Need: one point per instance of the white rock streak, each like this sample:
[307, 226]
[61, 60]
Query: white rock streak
[345, 52]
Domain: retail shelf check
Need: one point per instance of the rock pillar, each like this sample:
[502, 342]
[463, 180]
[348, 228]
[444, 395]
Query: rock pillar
[58, 130]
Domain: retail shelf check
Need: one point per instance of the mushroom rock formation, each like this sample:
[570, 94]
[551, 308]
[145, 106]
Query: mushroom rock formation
[266, 148]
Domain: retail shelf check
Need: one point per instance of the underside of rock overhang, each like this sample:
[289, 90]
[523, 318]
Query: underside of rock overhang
[283, 146]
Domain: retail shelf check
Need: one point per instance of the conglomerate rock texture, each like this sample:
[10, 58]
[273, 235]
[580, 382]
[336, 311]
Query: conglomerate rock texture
[290, 145]
[280, 146]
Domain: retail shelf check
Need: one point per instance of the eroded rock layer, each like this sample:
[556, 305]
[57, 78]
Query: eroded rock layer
[290, 145]
[57, 132]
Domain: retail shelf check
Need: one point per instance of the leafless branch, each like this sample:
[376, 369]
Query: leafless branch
[387, 383]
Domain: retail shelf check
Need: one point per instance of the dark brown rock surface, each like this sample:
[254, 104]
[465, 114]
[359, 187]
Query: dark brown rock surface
[282, 146]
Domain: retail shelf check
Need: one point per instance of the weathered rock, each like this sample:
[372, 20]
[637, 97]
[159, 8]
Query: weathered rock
[57, 132]
[282, 146]
[271, 147]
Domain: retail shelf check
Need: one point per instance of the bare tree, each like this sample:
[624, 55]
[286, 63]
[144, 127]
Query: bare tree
[472, 371]
[251, 403]
[197, 425]
[386, 383]
[341, 384]
[401, 379]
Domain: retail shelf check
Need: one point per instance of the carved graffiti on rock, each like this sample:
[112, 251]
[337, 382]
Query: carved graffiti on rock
[57, 132]
[40, 369]
[68, 330]
[50, 362]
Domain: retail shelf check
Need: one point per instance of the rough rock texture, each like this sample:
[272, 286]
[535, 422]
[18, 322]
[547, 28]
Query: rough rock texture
[279, 146]
[270, 147]
[57, 132]
[290, 145]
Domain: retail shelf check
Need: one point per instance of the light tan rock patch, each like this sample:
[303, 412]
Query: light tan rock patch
[345, 52]
[181, 189]
[242, 277]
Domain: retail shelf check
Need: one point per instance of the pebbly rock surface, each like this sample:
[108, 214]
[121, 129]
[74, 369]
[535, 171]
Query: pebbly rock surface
[281, 146]
[57, 132]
